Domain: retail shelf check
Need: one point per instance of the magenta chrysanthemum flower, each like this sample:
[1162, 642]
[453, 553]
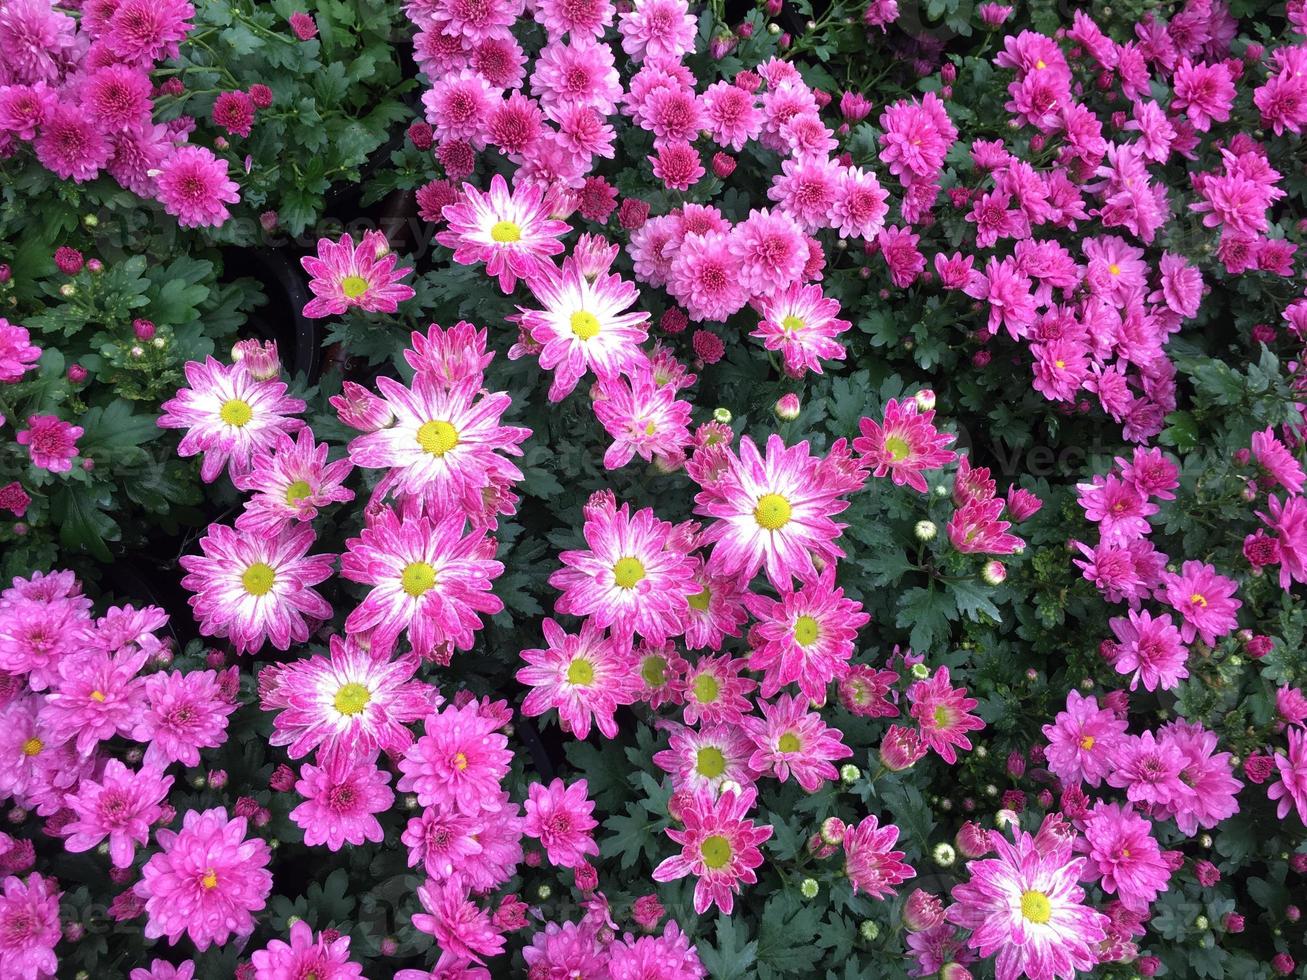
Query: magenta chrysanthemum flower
[772, 512]
[183, 714]
[29, 927]
[96, 696]
[426, 577]
[1149, 649]
[580, 18]
[193, 186]
[643, 418]
[802, 324]
[1279, 463]
[229, 415]
[1148, 768]
[707, 757]
[1291, 788]
[716, 611]
[291, 484]
[1288, 522]
[304, 956]
[1083, 741]
[905, 444]
[511, 232]
[586, 676]
[657, 29]
[35, 638]
[120, 805]
[704, 276]
[445, 445]
[51, 442]
[719, 846]
[458, 762]
[1209, 773]
[347, 705]
[253, 589]
[1025, 906]
[870, 861]
[634, 579]
[450, 356]
[790, 740]
[1204, 599]
[140, 31]
[463, 931]
[584, 326]
[72, 144]
[770, 249]
[340, 800]
[162, 969]
[669, 956]
[805, 637]
[346, 275]
[944, 714]
[559, 817]
[1124, 855]
[17, 354]
[205, 881]
[444, 841]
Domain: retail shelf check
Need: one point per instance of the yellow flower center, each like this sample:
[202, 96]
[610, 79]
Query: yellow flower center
[1060, 363]
[773, 512]
[32, 747]
[789, 742]
[706, 688]
[353, 286]
[700, 600]
[654, 670]
[1087, 742]
[418, 578]
[297, 491]
[1114, 269]
[709, 762]
[460, 761]
[1036, 907]
[437, 437]
[1040, 64]
[806, 631]
[585, 325]
[792, 323]
[210, 880]
[716, 851]
[650, 428]
[505, 232]
[235, 412]
[1198, 599]
[258, 578]
[352, 698]
[628, 572]
[97, 696]
[898, 448]
[580, 672]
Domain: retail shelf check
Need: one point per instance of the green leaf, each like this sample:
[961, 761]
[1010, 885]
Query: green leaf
[83, 525]
[732, 957]
[785, 937]
[630, 836]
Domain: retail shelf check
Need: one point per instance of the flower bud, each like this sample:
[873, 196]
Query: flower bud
[925, 399]
[143, 329]
[869, 930]
[944, 855]
[901, 748]
[787, 407]
[920, 671]
[922, 911]
[809, 888]
[994, 573]
[76, 373]
[925, 530]
[850, 774]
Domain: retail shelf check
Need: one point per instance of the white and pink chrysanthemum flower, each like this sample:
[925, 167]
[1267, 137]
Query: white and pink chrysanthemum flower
[801, 323]
[511, 232]
[427, 577]
[346, 275]
[944, 714]
[643, 417]
[789, 740]
[291, 484]
[586, 676]
[870, 861]
[905, 444]
[228, 414]
[633, 579]
[707, 757]
[585, 325]
[719, 846]
[715, 691]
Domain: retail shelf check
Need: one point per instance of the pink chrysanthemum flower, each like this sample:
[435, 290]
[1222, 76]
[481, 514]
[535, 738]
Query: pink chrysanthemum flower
[660, 672]
[704, 277]
[450, 356]
[719, 846]
[807, 189]
[29, 927]
[1148, 768]
[770, 249]
[1149, 649]
[51, 442]
[346, 275]
[1204, 599]
[17, 354]
[905, 444]
[669, 956]
[860, 204]
[1205, 92]
[805, 637]
[254, 589]
[790, 740]
[917, 137]
[865, 692]
[341, 799]
[1291, 788]
[870, 861]
[459, 762]
[559, 817]
[72, 144]
[291, 484]
[584, 325]
[304, 956]
[1279, 463]
[348, 705]
[446, 443]
[35, 638]
[1209, 773]
[801, 323]
[1083, 741]
[944, 714]
[706, 758]
[715, 692]
[1025, 906]
[148, 30]
[1119, 508]
[444, 841]
[229, 415]
[463, 931]
[773, 512]
[34, 769]
[1124, 856]
[511, 232]
[585, 676]
[657, 29]
[730, 115]
[183, 714]
[161, 969]
[205, 880]
[580, 18]
[426, 577]
[643, 418]
[193, 186]
[716, 611]
[120, 805]
[1288, 522]
[634, 578]
[574, 73]
[96, 696]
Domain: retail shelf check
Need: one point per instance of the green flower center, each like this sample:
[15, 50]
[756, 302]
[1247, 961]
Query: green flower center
[628, 572]
[789, 742]
[353, 286]
[709, 762]
[706, 688]
[297, 491]
[437, 437]
[236, 412]
[773, 512]
[580, 672]
[898, 448]
[716, 851]
[352, 698]
[418, 578]
[258, 578]
[806, 631]
[700, 600]
[792, 323]
[654, 670]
